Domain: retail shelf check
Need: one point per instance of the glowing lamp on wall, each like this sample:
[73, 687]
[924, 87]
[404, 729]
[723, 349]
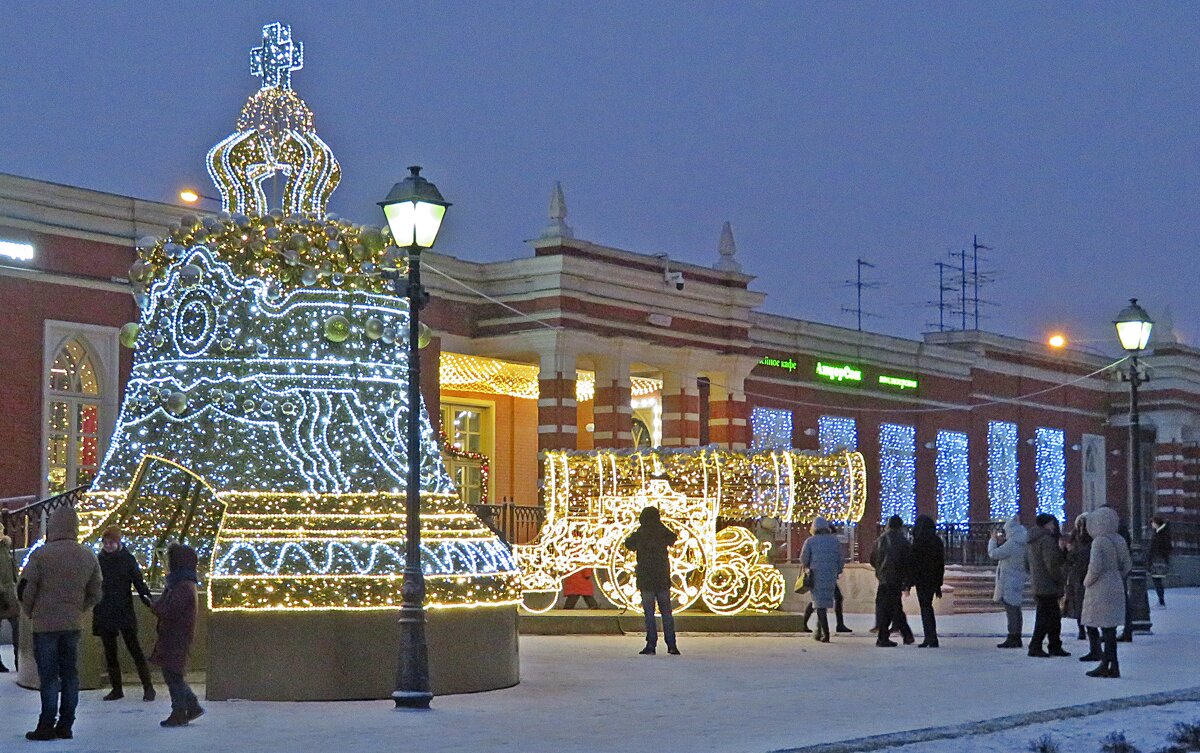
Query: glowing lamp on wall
[1133, 327]
[414, 209]
[16, 250]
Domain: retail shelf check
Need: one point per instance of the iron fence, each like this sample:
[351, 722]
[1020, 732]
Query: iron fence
[513, 523]
[26, 524]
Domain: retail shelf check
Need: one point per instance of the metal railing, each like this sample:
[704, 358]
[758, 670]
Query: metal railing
[966, 544]
[513, 523]
[25, 525]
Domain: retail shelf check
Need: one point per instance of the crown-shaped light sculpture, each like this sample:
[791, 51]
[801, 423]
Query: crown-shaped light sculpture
[275, 140]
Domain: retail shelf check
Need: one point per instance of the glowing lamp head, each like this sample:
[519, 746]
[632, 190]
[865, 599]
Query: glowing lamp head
[1057, 341]
[414, 209]
[1133, 327]
[189, 196]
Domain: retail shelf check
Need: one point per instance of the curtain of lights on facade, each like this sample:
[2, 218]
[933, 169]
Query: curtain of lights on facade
[898, 472]
[836, 432]
[771, 429]
[1003, 497]
[1050, 465]
[953, 480]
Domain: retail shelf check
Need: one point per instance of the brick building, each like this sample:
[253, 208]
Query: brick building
[581, 346]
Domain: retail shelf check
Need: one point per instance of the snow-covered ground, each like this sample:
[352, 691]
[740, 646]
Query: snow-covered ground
[741, 694]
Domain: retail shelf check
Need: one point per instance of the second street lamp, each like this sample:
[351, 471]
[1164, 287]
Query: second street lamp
[414, 209]
[1133, 330]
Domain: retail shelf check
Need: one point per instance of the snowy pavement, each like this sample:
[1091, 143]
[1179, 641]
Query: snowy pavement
[734, 694]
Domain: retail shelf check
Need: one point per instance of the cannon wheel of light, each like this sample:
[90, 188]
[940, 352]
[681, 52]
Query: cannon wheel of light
[689, 564]
[537, 602]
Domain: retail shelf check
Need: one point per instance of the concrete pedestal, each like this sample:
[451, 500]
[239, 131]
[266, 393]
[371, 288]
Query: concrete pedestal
[315, 656]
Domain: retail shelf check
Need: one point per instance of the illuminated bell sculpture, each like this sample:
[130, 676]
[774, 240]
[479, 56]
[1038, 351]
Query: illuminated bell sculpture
[263, 424]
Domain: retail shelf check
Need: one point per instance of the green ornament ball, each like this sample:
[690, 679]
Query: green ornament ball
[129, 333]
[337, 328]
[177, 403]
[374, 328]
[297, 241]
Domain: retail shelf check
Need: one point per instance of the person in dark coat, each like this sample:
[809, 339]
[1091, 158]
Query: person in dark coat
[1078, 554]
[176, 611]
[10, 606]
[114, 615]
[1047, 573]
[1160, 556]
[892, 560]
[928, 572]
[650, 542]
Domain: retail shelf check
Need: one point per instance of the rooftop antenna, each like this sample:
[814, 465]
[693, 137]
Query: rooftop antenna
[859, 285]
[976, 278]
[943, 288]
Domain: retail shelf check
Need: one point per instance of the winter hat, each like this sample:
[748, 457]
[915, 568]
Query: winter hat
[895, 522]
[1045, 518]
[649, 515]
[112, 533]
[819, 524]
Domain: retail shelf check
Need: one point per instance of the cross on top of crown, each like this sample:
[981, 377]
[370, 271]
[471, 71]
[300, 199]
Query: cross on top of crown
[278, 57]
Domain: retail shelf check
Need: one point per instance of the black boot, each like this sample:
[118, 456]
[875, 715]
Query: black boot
[2, 667]
[148, 693]
[44, 731]
[176, 719]
[822, 626]
[62, 731]
[841, 619]
[1013, 641]
[808, 611]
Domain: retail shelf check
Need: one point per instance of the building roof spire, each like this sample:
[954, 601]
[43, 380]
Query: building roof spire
[558, 227]
[728, 250]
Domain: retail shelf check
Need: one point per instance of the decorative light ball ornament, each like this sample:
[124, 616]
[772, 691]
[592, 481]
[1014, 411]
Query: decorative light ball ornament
[129, 334]
[337, 328]
[424, 334]
[278, 463]
[1133, 327]
[373, 328]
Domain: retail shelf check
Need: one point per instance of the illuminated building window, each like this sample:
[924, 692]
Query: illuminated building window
[72, 418]
[468, 429]
[953, 483]
[897, 472]
[1050, 464]
[771, 429]
[1003, 498]
[837, 432]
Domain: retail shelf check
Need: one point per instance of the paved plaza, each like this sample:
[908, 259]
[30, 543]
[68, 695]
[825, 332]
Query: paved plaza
[727, 694]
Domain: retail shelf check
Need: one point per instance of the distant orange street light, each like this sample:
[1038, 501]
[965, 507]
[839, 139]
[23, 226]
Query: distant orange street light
[1057, 341]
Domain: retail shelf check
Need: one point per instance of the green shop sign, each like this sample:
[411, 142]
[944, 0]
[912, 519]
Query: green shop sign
[788, 364]
[839, 372]
[900, 383]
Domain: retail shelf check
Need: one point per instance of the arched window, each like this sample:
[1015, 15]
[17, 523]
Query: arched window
[72, 418]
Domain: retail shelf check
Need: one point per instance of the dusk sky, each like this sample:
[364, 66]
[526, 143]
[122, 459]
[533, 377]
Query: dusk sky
[1066, 135]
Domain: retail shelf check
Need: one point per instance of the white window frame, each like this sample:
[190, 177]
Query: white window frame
[103, 347]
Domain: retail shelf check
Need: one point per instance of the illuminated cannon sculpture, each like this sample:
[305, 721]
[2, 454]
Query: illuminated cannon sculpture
[593, 499]
[263, 423]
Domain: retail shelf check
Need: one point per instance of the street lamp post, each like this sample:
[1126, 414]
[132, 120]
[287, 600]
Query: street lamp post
[1133, 330]
[414, 209]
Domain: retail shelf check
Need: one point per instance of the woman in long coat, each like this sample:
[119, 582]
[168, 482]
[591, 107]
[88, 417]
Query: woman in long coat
[822, 555]
[1012, 571]
[1077, 564]
[10, 606]
[1104, 588]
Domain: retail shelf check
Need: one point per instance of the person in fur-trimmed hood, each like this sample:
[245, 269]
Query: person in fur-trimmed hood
[1104, 587]
[1007, 547]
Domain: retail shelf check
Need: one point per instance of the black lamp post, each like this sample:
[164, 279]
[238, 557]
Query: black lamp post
[414, 209]
[1133, 330]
